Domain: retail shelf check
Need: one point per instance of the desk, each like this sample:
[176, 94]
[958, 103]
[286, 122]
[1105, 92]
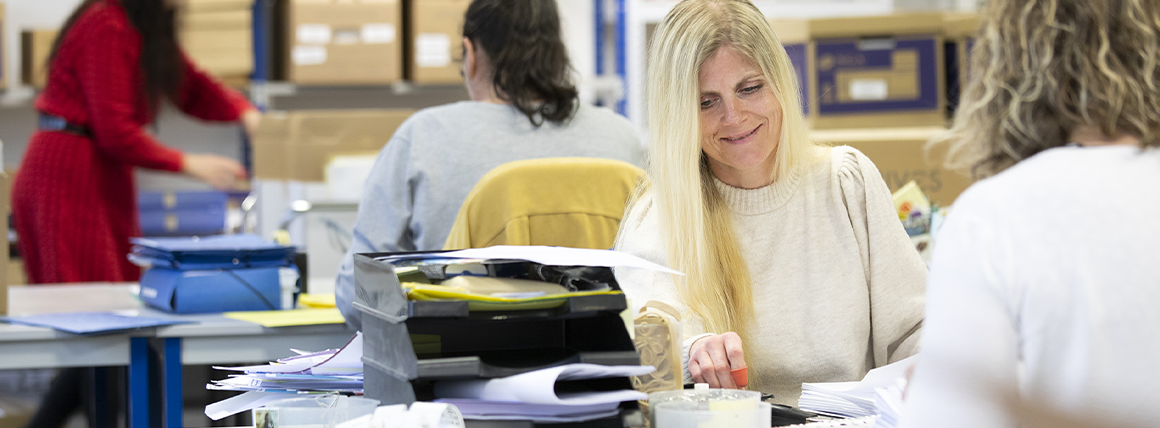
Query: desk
[214, 339]
[27, 347]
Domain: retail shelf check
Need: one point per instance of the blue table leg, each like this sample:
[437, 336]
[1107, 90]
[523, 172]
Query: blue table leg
[171, 372]
[139, 382]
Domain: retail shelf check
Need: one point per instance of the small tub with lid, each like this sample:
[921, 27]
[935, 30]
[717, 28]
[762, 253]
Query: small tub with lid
[702, 407]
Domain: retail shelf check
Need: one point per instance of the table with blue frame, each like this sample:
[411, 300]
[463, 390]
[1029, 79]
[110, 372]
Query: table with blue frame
[213, 339]
[27, 347]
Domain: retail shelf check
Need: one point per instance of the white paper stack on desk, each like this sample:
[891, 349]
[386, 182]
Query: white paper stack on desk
[852, 399]
[540, 395]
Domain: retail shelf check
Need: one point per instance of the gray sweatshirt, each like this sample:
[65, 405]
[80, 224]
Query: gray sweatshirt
[424, 173]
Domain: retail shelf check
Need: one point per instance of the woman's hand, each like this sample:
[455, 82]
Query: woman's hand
[250, 120]
[712, 357]
[218, 171]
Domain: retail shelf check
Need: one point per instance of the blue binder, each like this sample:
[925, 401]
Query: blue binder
[219, 290]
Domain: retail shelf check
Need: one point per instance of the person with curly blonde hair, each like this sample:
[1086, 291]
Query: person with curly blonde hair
[1041, 305]
[796, 266]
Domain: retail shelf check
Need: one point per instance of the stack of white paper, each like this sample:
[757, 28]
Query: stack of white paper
[890, 404]
[330, 371]
[533, 396]
[851, 399]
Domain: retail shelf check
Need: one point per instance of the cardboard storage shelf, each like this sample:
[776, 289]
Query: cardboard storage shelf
[409, 344]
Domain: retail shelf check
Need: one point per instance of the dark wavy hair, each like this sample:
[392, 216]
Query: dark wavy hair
[521, 38]
[161, 63]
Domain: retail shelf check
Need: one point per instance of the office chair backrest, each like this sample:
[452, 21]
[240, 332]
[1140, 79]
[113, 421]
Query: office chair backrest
[568, 202]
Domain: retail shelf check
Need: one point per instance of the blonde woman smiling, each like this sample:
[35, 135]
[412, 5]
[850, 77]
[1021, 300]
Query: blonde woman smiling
[796, 264]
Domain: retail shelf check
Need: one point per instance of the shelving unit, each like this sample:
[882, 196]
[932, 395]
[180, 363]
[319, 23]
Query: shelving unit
[638, 14]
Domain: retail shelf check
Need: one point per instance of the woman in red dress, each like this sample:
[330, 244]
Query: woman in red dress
[74, 200]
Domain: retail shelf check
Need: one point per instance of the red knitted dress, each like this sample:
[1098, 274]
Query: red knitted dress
[74, 201]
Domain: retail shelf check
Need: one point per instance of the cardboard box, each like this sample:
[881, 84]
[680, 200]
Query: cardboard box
[3, 50]
[342, 42]
[900, 155]
[222, 53]
[217, 20]
[884, 71]
[35, 47]
[199, 6]
[297, 145]
[435, 41]
[218, 36]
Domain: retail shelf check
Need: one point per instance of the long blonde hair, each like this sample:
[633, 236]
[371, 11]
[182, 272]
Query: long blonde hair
[1042, 68]
[692, 215]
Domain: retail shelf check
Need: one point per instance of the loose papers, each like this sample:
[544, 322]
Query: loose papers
[330, 371]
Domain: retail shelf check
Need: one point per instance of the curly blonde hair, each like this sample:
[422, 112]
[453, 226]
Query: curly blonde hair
[1042, 68]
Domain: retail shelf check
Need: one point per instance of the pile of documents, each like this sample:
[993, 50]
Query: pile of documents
[890, 404]
[566, 393]
[852, 399]
[327, 372]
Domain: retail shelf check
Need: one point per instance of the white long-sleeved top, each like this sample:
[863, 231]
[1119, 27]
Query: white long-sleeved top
[1045, 285]
[837, 284]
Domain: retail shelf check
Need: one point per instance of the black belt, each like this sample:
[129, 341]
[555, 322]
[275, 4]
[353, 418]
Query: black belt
[50, 122]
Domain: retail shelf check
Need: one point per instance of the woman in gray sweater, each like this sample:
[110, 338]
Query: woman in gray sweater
[523, 106]
[797, 267]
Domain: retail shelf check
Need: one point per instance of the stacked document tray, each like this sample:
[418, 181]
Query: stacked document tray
[410, 344]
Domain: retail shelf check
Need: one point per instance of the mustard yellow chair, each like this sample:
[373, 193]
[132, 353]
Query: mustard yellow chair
[567, 202]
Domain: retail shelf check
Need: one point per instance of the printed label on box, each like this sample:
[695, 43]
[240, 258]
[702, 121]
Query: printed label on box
[856, 80]
[378, 33]
[346, 36]
[868, 89]
[308, 55]
[313, 34]
[432, 50]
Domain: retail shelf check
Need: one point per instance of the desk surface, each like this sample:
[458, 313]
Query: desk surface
[213, 339]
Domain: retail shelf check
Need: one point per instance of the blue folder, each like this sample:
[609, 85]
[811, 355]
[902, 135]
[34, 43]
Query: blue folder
[91, 322]
[212, 252]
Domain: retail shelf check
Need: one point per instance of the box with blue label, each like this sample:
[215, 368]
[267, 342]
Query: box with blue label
[883, 71]
[219, 290]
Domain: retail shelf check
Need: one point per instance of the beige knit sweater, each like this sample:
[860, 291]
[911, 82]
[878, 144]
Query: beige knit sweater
[838, 286]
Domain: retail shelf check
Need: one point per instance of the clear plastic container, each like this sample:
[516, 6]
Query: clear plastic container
[720, 399]
[712, 414]
[324, 411]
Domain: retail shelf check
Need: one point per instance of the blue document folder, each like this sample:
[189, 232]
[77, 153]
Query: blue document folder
[212, 252]
[218, 290]
[91, 322]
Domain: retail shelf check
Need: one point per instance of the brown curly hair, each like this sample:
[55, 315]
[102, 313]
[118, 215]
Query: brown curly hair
[1042, 68]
